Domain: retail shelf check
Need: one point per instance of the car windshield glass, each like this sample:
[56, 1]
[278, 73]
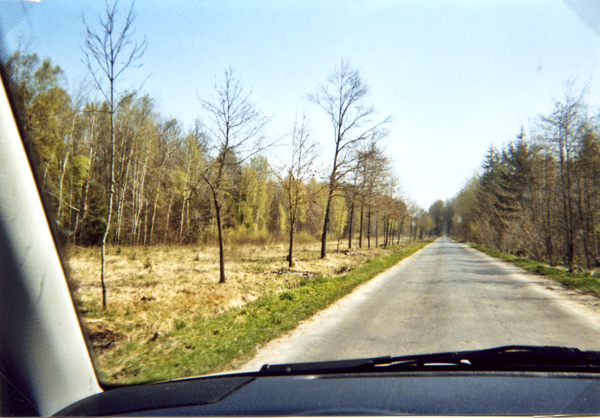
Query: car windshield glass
[236, 183]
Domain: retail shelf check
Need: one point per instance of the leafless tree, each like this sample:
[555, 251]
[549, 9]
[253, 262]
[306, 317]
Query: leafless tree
[375, 170]
[297, 172]
[235, 136]
[109, 51]
[564, 129]
[343, 98]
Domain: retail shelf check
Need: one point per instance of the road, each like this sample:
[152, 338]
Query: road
[446, 297]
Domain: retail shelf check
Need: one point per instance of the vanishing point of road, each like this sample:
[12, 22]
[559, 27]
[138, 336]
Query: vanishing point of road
[446, 297]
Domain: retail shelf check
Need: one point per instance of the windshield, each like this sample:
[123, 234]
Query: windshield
[239, 183]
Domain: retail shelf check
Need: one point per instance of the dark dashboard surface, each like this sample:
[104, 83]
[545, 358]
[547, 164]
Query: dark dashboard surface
[393, 393]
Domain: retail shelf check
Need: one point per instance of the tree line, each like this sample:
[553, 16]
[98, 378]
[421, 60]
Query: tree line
[115, 171]
[539, 195]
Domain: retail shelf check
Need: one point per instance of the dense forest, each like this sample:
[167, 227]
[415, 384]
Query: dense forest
[539, 195]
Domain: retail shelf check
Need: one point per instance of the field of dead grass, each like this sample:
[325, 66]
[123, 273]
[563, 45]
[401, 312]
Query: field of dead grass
[154, 291]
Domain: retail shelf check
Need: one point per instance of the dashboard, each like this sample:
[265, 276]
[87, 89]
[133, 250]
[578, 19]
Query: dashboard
[446, 393]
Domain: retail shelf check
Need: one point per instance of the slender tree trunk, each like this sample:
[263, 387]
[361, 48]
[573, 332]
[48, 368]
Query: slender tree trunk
[145, 222]
[60, 185]
[326, 224]
[182, 219]
[591, 227]
[376, 231]
[360, 232]
[121, 198]
[85, 195]
[291, 252]
[350, 224]
[566, 196]
[187, 179]
[221, 246]
[135, 187]
[45, 176]
[75, 228]
[385, 227]
[154, 214]
[187, 215]
[582, 220]
[160, 179]
[548, 218]
[167, 222]
[139, 202]
[340, 231]
[400, 231]
[110, 198]
[369, 229]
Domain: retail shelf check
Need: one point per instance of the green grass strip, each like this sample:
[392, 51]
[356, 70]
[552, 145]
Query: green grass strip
[583, 281]
[212, 345]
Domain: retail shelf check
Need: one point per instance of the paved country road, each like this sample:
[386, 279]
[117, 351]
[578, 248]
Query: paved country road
[446, 297]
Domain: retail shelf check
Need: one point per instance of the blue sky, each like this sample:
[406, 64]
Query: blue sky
[456, 76]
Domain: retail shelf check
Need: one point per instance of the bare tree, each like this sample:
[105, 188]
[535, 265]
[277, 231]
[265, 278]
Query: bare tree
[375, 171]
[108, 53]
[352, 190]
[304, 153]
[235, 136]
[342, 97]
[564, 128]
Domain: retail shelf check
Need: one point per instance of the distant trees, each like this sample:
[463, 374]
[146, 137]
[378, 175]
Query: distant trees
[540, 196]
[441, 215]
[436, 213]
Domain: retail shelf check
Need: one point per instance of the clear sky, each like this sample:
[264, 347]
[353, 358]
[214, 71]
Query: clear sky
[457, 76]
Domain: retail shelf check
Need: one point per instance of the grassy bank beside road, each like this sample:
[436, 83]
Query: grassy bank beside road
[582, 281]
[209, 344]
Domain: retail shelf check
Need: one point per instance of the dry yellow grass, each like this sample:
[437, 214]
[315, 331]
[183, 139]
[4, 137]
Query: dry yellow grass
[157, 289]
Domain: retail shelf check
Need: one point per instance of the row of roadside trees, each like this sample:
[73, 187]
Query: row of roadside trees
[115, 171]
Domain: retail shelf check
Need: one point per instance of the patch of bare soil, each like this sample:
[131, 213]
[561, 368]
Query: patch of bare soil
[102, 335]
[583, 297]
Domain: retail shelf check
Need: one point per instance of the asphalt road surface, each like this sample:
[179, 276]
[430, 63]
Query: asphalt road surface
[446, 297]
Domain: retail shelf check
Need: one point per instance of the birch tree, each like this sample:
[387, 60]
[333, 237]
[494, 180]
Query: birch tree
[109, 51]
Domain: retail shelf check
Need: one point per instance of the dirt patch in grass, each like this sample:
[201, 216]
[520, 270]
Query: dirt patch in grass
[101, 335]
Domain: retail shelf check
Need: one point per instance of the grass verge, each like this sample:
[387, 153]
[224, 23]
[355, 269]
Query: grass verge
[582, 281]
[209, 345]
